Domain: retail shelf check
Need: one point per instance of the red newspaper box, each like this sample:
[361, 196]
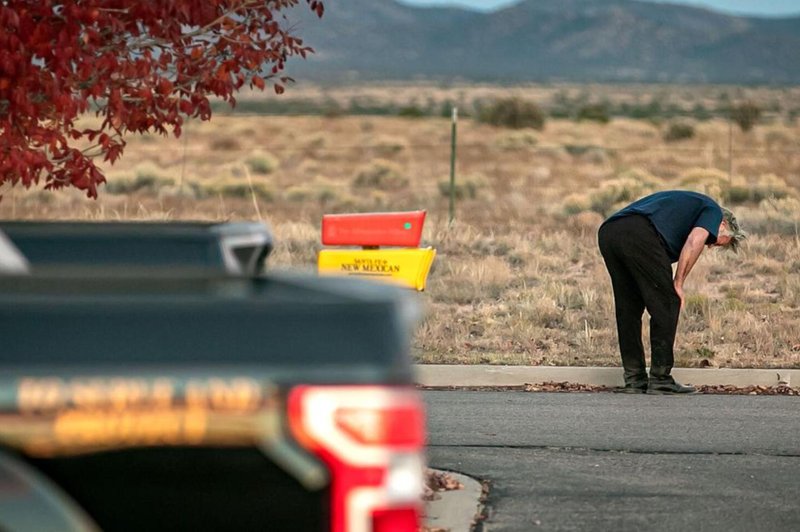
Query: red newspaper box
[403, 229]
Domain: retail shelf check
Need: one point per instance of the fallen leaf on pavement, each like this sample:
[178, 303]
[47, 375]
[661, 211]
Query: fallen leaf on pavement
[748, 390]
[441, 481]
[563, 387]
[568, 387]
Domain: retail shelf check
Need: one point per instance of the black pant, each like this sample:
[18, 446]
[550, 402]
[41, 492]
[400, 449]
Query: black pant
[641, 275]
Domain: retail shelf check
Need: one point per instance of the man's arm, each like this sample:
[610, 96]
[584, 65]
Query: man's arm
[692, 249]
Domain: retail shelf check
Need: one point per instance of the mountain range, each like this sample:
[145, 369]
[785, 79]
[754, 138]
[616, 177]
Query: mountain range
[546, 41]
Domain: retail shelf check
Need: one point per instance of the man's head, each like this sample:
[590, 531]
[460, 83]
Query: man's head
[730, 234]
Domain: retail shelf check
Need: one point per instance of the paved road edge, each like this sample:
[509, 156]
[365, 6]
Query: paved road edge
[485, 375]
[455, 510]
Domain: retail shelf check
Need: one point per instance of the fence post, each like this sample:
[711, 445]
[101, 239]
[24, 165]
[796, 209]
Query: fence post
[453, 166]
[730, 149]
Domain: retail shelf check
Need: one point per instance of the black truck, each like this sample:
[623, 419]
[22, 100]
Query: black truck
[235, 248]
[173, 399]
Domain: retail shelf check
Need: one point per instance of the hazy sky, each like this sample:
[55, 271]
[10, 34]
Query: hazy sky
[747, 7]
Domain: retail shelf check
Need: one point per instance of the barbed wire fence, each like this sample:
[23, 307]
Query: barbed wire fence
[486, 157]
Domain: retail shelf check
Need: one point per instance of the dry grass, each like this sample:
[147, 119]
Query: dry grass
[518, 278]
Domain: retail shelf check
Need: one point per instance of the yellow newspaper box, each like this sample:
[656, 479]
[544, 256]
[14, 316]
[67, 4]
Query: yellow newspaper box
[408, 267]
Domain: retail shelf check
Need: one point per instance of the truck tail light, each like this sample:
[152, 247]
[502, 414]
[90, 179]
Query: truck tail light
[371, 438]
[393, 520]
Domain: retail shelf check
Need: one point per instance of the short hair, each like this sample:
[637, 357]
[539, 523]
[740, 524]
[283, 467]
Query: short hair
[737, 235]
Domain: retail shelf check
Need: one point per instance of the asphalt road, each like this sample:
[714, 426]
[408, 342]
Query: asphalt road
[623, 462]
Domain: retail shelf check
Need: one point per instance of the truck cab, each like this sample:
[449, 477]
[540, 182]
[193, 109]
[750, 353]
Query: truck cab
[235, 248]
[191, 399]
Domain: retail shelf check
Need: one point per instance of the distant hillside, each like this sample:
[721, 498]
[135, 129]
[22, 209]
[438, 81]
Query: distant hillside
[548, 40]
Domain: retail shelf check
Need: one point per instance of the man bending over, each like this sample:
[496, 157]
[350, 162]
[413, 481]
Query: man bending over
[639, 244]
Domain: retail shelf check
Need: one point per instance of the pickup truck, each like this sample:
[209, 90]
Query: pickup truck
[186, 400]
[236, 248]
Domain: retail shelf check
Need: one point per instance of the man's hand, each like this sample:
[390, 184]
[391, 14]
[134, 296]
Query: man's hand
[692, 249]
[679, 291]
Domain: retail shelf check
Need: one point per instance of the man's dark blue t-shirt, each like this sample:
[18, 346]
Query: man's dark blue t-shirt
[674, 213]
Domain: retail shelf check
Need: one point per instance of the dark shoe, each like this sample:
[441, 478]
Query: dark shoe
[668, 388]
[632, 387]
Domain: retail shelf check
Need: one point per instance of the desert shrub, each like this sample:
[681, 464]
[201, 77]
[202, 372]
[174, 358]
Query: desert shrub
[733, 291]
[775, 216]
[466, 187]
[699, 112]
[514, 113]
[588, 153]
[411, 111]
[735, 194]
[596, 112]
[778, 138]
[583, 223]
[576, 203]
[493, 246]
[332, 109]
[766, 265]
[327, 191]
[577, 149]
[553, 152]
[697, 305]
[321, 190]
[645, 111]
[613, 194]
[573, 297]
[789, 288]
[703, 176]
[733, 303]
[479, 279]
[718, 184]
[610, 194]
[260, 162]
[559, 113]
[150, 174]
[382, 175]
[769, 186]
[715, 183]
[240, 188]
[317, 141]
[679, 131]
[225, 143]
[298, 245]
[367, 105]
[642, 176]
[446, 109]
[121, 184]
[189, 189]
[596, 155]
[516, 140]
[146, 177]
[299, 193]
[745, 115]
[387, 146]
[545, 313]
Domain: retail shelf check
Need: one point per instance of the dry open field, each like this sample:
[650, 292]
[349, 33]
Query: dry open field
[518, 278]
